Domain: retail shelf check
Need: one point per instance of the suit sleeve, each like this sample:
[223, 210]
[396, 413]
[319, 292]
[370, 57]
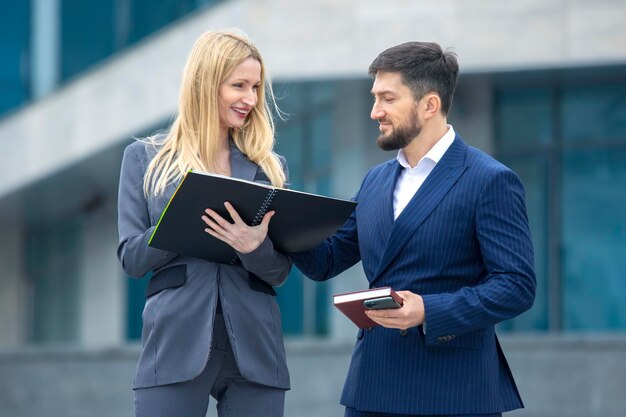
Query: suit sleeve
[265, 262]
[336, 254]
[136, 257]
[506, 248]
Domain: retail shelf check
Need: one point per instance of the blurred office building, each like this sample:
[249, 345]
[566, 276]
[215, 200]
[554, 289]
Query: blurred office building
[542, 88]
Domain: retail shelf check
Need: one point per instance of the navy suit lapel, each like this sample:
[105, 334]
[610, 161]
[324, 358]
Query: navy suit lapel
[387, 188]
[430, 194]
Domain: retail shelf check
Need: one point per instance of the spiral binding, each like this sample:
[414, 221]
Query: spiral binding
[259, 215]
[264, 207]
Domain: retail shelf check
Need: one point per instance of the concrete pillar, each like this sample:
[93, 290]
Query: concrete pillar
[14, 312]
[103, 312]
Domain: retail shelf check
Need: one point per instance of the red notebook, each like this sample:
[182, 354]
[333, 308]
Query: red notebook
[351, 304]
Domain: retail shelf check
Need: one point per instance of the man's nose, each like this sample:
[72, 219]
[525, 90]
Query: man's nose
[377, 113]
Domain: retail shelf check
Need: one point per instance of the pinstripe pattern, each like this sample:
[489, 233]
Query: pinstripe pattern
[463, 243]
[351, 412]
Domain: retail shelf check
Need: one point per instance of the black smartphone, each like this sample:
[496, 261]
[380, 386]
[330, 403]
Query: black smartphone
[381, 303]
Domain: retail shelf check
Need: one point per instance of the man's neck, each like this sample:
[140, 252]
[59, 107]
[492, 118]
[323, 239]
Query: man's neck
[424, 142]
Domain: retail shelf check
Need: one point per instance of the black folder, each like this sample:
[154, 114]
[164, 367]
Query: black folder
[302, 220]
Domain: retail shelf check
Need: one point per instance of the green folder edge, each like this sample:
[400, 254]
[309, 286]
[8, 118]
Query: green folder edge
[166, 207]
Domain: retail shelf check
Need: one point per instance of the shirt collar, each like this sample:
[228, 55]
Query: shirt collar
[436, 152]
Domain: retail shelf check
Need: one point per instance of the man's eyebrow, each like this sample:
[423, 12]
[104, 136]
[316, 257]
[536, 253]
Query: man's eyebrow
[381, 93]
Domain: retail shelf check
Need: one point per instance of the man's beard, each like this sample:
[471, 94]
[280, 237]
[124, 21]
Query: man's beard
[400, 136]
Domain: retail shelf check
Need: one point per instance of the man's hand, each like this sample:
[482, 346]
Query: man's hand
[242, 238]
[411, 313]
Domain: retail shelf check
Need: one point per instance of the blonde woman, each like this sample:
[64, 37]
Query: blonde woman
[209, 329]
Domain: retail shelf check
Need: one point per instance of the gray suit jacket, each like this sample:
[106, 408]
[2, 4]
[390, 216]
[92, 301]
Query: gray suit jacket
[183, 291]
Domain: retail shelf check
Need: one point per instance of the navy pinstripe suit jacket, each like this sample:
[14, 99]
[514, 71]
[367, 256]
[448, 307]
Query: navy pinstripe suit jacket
[463, 243]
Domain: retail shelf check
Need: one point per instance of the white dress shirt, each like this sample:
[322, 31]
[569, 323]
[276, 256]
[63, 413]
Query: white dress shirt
[411, 179]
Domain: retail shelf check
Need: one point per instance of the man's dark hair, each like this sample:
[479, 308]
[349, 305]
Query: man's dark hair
[425, 68]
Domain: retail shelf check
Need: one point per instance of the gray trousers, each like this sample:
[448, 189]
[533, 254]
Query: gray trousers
[236, 396]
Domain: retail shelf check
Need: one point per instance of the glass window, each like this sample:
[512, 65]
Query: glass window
[290, 302]
[289, 97]
[594, 239]
[147, 16]
[575, 194]
[93, 30]
[321, 150]
[51, 253]
[524, 117]
[87, 34]
[533, 171]
[305, 140]
[594, 113]
[290, 294]
[14, 44]
[289, 145]
[135, 301]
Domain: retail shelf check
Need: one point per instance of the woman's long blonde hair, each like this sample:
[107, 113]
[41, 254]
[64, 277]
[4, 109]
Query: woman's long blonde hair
[193, 139]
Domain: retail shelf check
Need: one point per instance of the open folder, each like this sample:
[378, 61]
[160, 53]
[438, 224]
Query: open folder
[302, 220]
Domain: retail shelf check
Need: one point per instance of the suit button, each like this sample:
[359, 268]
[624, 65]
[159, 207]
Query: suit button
[368, 329]
[404, 332]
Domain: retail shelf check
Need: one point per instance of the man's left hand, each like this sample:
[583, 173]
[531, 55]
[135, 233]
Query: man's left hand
[411, 313]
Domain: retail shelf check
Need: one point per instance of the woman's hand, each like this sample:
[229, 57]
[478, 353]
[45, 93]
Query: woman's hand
[242, 238]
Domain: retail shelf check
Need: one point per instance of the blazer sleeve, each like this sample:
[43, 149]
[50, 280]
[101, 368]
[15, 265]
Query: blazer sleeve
[136, 257]
[266, 262]
[506, 248]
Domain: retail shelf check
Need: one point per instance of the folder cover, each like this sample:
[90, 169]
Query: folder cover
[302, 220]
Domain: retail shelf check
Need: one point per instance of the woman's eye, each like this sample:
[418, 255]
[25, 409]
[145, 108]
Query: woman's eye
[238, 85]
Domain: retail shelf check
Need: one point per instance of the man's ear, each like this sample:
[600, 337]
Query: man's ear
[432, 104]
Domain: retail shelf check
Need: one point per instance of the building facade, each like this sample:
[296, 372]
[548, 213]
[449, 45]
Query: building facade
[542, 88]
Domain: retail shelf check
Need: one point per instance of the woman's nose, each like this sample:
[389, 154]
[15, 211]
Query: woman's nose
[250, 98]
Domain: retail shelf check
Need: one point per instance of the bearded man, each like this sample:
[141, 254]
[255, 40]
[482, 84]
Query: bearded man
[445, 225]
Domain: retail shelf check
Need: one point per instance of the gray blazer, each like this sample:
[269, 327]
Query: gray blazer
[183, 291]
